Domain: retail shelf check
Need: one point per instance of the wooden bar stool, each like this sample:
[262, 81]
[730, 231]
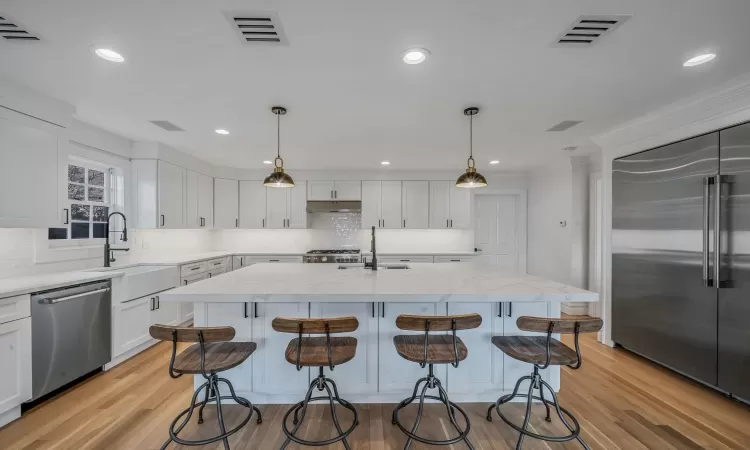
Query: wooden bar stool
[319, 352]
[542, 352]
[428, 350]
[212, 354]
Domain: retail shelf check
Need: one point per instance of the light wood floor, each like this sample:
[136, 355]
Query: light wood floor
[622, 401]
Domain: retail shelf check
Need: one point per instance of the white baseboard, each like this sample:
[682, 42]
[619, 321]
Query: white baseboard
[10, 415]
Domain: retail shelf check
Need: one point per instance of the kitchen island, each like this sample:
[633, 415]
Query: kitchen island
[250, 298]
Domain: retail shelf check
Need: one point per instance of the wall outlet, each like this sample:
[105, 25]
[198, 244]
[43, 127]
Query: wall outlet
[563, 223]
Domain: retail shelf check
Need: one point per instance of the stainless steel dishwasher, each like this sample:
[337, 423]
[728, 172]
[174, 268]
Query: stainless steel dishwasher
[71, 334]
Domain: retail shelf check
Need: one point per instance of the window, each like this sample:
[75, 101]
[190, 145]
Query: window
[93, 192]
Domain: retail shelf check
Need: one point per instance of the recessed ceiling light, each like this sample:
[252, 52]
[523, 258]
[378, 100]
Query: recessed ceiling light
[109, 55]
[700, 59]
[220, 131]
[267, 162]
[415, 55]
[495, 162]
[385, 163]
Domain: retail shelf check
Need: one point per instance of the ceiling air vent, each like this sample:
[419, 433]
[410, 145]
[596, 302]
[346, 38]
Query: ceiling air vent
[564, 125]
[13, 31]
[166, 125]
[257, 27]
[588, 30]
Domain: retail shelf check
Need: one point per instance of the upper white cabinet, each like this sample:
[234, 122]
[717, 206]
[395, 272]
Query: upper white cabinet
[334, 190]
[226, 203]
[28, 174]
[415, 204]
[199, 204]
[450, 207]
[286, 207]
[381, 204]
[252, 204]
[171, 186]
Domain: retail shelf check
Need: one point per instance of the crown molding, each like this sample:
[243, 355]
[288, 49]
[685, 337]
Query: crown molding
[716, 108]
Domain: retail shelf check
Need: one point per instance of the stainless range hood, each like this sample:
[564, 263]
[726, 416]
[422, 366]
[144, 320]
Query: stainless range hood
[329, 206]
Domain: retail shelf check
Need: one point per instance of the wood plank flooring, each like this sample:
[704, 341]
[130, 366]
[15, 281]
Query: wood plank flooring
[622, 401]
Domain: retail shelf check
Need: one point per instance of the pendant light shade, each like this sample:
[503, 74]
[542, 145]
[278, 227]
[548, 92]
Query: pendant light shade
[278, 178]
[472, 178]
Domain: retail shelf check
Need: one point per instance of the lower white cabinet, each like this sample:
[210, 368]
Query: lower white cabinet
[241, 261]
[166, 313]
[482, 371]
[186, 308]
[131, 322]
[360, 375]
[15, 360]
[512, 368]
[272, 374]
[396, 374]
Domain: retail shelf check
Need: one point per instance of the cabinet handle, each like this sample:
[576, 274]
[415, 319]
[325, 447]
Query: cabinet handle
[331, 193]
[195, 268]
[451, 223]
[209, 274]
[383, 223]
[273, 260]
[373, 310]
[256, 309]
[246, 310]
[264, 222]
[67, 216]
[405, 260]
[500, 309]
[510, 309]
[404, 223]
[242, 261]
[185, 281]
[446, 223]
[158, 302]
[383, 310]
[236, 223]
[162, 220]
[335, 194]
[153, 303]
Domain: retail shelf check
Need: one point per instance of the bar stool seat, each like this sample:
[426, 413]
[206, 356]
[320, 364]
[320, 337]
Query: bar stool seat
[314, 351]
[533, 349]
[440, 348]
[219, 356]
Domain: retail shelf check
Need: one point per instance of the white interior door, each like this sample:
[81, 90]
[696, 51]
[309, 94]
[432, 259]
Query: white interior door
[495, 231]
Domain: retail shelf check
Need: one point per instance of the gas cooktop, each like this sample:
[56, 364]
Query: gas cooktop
[333, 256]
[334, 252]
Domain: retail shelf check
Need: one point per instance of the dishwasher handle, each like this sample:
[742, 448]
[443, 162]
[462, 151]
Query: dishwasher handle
[53, 301]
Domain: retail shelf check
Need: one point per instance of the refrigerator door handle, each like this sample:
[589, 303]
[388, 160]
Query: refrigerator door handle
[718, 210]
[707, 183]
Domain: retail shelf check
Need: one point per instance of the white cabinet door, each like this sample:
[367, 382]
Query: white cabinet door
[460, 208]
[131, 323]
[396, 374]
[360, 375]
[192, 215]
[239, 316]
[186, 308]
[252, 204]
[29, 183]
[482, 371]
[164, 313]
[15, 354]
[347, 190]
[390, 205]
[439, 201]
[512, 368]
[206, 200]
[415, 204]
[272, 374]
[171, 196]
[226, 203]
[297, 206]
[320, 190]
[371, 204]
[276, 209]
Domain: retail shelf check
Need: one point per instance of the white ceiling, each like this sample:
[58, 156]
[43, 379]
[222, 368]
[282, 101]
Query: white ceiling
[352, 102]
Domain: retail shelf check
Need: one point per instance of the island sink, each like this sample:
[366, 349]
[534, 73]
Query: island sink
[380, 266]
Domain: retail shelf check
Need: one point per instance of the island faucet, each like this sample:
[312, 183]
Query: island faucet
[374, 263]
[107, 249]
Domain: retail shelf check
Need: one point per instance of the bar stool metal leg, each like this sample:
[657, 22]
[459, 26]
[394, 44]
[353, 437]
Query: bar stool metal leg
[321, 383]
[432, 382]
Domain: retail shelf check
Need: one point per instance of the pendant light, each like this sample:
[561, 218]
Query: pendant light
[278, 179]
[472, 178]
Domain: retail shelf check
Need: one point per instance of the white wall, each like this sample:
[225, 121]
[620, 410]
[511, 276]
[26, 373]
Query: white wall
[550, 202]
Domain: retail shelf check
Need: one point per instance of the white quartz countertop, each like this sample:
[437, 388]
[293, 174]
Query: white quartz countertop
[37, 283]
[459, 282]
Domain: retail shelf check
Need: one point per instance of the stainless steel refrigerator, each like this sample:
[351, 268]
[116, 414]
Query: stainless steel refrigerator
[681, 257]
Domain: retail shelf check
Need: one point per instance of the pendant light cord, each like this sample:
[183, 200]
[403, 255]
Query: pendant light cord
[471, 136]
[278, 135]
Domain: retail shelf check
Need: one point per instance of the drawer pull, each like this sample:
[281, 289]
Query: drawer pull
[195, 268]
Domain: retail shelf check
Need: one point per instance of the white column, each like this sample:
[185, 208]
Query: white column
[579, 236]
